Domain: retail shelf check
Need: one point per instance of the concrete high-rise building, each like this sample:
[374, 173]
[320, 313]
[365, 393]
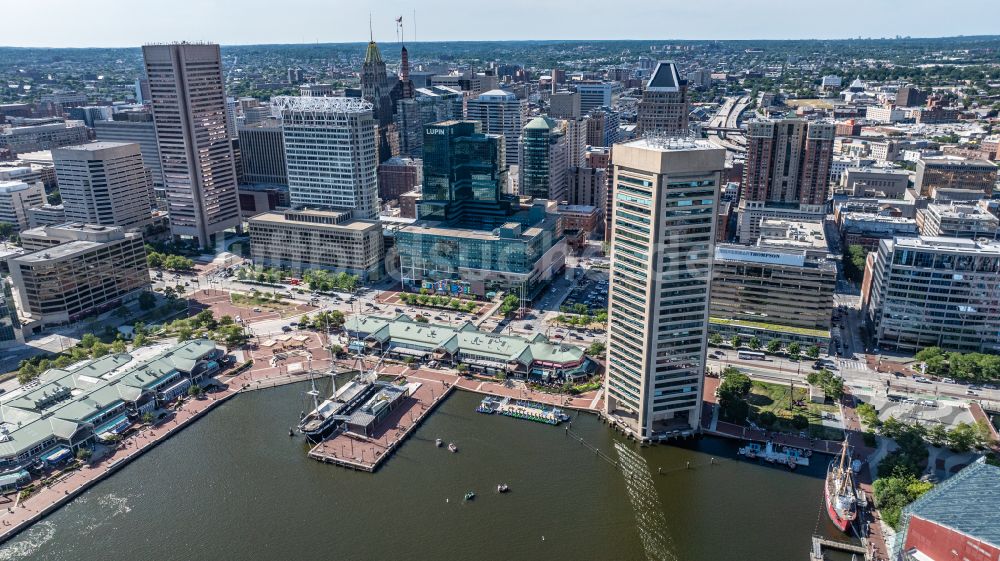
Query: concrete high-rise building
[16, 197]
[910, 96]
[664, 106]
[104, 183]
[500, 113]
[788, 161]
[662, 246]
[399, 175]
[587, 186]
[544, 160]
[75, 270]
[330, 153]
[262, 152]
[196, 154]
[576, 141]
[138, 129]
[602, 127]
[565, 105]
[406, 88]
[951, 177]
[429, 105]
[594, 95]
[903, 278]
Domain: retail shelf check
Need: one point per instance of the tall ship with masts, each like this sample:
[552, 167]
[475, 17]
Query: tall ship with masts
[841, 491]
[325, 416]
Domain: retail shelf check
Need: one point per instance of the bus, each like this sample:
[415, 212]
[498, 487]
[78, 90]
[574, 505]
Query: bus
[750, 355]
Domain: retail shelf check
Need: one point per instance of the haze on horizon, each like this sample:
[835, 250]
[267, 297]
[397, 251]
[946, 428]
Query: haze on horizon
[120, 23]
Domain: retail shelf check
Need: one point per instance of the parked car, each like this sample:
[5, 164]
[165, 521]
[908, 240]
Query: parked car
[286, 328]
[921, 380]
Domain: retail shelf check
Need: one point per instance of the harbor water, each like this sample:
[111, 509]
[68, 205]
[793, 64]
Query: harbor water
[235, 486]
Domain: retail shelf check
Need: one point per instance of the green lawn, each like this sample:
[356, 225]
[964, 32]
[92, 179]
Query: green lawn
[774, 398]
[249, 300]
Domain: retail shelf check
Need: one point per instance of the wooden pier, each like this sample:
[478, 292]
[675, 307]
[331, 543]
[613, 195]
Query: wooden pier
[368, 453]
[818, 543]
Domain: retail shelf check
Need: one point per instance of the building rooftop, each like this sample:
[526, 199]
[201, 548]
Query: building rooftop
[664, 78]
[954, 244]
[671, 144]
[966, 503]
[92, 146]
[13, 186]
[62, 401]
[312, 218]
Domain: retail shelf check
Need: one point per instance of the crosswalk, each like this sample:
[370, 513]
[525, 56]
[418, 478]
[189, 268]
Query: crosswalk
[851, 364]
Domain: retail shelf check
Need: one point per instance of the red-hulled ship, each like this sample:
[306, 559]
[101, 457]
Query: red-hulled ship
[840, 492]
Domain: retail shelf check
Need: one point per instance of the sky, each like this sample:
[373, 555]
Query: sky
[130, 23]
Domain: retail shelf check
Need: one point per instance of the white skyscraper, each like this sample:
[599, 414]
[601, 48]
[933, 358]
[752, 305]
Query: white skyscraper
[662, 247]
[331, 153]
[500, 112]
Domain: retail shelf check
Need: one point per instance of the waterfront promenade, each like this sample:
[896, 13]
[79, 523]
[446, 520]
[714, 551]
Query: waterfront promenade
[17, 515]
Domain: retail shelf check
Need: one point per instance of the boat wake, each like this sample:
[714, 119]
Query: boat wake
[646, 504]
[114, 505]
[29, 542]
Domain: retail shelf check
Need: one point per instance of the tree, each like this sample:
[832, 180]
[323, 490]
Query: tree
[833, 386]
[736, 341]
[854, 262]
[421, 319]
[118, 346]
[773, 346]
[147, 418]
[813, 352]
[336, 350]
[184, 333]
[138, 340]
[194, 390]
[962, 438]
[767, 419]
[794, 349]
[147, 301]
[715, 339]
[800, 421]
[894, 492]
[733, 393]
[205, 319]
[596, 348]
[99, 349]
[170, 293]
[88, 340]
[754, 343]
[937, 435]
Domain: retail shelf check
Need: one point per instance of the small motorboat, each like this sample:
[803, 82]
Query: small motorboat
[438, 442]
[452, 447]
[470, 495]
[502, 488]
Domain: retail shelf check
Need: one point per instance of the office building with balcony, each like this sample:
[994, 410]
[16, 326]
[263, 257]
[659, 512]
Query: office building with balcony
[662, 246]
[74, 270]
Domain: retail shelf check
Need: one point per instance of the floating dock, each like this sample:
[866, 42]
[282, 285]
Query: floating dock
[522, 409]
